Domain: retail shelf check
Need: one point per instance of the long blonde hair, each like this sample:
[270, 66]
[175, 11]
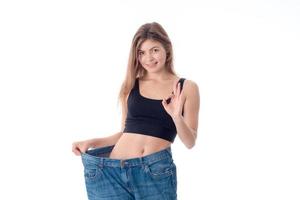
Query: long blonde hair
[153, 31]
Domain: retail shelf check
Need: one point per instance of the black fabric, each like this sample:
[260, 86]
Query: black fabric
[148, 117]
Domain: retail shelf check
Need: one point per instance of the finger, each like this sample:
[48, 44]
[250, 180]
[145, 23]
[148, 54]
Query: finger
[73, 147]
[164, 103]
[77, 152]
[181, 97]
[169, 98]
[83, 150]
[178, 90]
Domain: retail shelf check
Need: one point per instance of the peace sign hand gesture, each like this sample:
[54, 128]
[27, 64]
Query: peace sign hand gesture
[174, 108]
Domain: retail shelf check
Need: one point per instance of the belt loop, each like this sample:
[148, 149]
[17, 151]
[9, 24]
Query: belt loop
[144, 164]
[122, 163]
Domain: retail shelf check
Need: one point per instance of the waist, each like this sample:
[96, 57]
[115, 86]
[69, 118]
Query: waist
[99, 157]
[131, 145]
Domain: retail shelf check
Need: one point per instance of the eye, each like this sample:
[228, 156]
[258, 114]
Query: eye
[156, 50]
[141, 53]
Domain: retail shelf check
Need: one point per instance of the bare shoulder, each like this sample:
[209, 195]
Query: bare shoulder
[191, 104]
[190, 89]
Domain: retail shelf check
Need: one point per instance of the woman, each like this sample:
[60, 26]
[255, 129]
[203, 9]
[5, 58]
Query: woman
[137, 163]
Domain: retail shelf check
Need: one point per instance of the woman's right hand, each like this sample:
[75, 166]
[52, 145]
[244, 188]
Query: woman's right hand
[81, 146]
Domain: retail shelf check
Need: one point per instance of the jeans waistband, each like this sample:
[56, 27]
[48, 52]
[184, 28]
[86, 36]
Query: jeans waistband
[94, 156]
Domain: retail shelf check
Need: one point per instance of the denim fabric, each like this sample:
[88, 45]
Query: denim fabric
[151, 177]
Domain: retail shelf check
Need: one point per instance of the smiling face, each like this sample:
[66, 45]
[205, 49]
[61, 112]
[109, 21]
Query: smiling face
[152, 56]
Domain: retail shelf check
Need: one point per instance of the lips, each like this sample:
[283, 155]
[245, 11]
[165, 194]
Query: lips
[152, 64]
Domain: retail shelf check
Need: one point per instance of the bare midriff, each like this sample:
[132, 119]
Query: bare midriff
[133, 145]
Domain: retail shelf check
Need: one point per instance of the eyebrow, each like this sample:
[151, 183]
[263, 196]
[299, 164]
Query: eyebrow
[151, 48]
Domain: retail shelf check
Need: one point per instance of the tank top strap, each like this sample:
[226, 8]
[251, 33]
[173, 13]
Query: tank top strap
[136, 83]
[181, 81]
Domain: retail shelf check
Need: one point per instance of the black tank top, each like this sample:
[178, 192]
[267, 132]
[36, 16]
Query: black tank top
[148, 117]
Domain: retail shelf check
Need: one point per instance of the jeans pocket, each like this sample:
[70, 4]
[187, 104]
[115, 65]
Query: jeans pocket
[160, 169]
[92, 172]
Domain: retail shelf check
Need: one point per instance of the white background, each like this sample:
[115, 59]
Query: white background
[62, 64]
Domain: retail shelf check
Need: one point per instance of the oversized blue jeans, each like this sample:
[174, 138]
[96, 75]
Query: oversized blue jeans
[151, 177]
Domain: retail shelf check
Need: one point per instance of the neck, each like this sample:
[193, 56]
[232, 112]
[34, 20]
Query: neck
[158, 76]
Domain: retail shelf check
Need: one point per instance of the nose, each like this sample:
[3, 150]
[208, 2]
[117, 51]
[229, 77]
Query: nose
[149, 57]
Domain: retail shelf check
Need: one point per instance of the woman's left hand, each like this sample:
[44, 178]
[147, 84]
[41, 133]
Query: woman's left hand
[174, 108]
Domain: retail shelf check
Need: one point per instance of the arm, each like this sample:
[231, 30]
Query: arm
[82, 146]
[187, 125]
